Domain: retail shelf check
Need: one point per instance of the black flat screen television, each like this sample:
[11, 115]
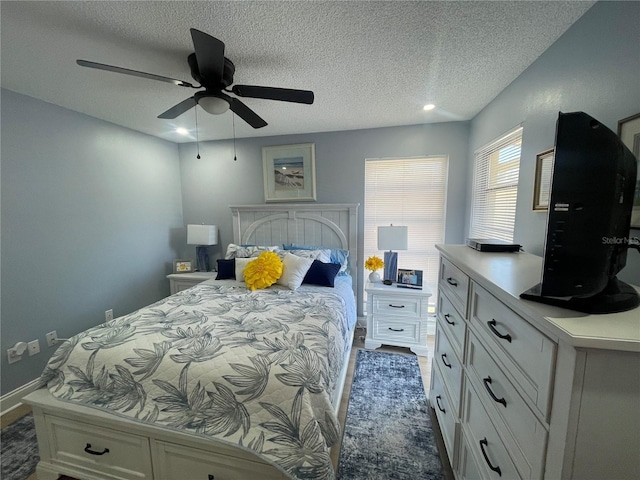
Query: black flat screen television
[588, 219]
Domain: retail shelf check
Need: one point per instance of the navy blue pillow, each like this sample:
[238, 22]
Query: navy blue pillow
[226, 269]
[323, 274]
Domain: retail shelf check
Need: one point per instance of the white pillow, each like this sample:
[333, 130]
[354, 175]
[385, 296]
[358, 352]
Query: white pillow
[241, 263]
[294, 269]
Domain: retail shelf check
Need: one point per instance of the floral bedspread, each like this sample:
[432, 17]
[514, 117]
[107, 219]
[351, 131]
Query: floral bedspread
[254, 369]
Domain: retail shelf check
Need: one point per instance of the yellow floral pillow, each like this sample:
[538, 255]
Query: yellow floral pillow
[264, 271]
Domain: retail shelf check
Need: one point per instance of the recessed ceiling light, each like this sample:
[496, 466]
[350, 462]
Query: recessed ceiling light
[182, 131]
[429, 106]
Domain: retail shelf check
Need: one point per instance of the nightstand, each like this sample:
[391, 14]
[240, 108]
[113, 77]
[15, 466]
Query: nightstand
[397, 316]
[182, 281]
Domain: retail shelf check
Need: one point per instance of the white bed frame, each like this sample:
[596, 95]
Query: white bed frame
[89, 444]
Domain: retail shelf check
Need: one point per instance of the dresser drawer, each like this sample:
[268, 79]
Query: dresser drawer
[452, 322]
[484, 442]
[468, 466]
[526, 354]
[400, 330]
[173, 462]
[445, 412]
[398, 305]
[500, 397]
[453, 280]
[451, 367]
[100, 451]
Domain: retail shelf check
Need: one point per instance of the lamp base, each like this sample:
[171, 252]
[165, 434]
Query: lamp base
[202, 258]
[391, 266]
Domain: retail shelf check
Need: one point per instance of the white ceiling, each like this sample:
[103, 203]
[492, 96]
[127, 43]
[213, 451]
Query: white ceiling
[370, 64]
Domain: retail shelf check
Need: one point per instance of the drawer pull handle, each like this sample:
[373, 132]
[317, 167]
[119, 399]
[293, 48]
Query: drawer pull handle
[93, 452]
[396, 306]
[438, 402]
[446, 317]
[487, 382]
[444, 357]
[492, 326]
[396, 329]
[452, 281]
[484, 443]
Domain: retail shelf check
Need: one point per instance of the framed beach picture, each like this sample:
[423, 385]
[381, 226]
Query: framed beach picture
[289, 172]
[542, 182]
[629, 133]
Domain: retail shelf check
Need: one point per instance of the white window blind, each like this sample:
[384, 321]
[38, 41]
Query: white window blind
[407, 192]
[495, 187]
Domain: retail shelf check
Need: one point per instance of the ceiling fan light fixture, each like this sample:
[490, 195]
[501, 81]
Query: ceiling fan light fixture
[182, 131]
[214, 105]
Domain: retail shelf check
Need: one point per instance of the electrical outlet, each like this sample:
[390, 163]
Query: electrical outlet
[108, 315]
[52, 338]
[34, 347]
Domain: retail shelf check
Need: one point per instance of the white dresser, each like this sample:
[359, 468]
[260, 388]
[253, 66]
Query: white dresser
[523, 390]
[397, 316]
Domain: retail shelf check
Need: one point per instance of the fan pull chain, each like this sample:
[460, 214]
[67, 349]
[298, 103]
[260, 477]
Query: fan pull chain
[197, 139]
[233, 121]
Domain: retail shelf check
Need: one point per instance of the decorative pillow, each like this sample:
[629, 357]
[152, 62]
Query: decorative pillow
[323, 274]
[294, 270]
[248, 251]
[263, 271]
[241, 264]
[324, 255]
[338, 255]
[226, 269]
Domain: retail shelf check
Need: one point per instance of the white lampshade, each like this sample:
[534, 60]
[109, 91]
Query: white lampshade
[392, 238]
[202, 235]
[214, 105]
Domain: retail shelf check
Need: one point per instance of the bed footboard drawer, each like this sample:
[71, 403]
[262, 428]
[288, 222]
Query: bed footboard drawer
[98, 450]
[174, 461]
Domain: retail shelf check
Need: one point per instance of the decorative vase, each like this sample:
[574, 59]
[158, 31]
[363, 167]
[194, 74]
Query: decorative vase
[374, 277]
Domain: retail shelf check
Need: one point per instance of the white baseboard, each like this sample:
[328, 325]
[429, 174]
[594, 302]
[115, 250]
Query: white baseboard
[13, 399]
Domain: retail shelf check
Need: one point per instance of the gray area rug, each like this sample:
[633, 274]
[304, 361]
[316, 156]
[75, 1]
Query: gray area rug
[19, 449]
[388, 433]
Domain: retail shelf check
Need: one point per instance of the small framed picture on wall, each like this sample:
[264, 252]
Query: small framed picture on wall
[542, 182]
[629, 133]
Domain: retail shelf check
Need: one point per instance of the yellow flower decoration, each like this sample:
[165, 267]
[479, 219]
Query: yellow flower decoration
[373, 263]
[264, 271]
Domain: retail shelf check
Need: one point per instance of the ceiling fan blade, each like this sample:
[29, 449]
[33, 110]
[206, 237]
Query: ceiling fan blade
[179, 109]
[209, 54]
[244, 112]
[272, 93]
[135, 73]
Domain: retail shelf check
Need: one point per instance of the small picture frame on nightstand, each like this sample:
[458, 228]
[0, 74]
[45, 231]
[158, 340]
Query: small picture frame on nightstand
[182, 266]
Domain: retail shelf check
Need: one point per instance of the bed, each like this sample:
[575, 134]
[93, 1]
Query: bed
[218, 381]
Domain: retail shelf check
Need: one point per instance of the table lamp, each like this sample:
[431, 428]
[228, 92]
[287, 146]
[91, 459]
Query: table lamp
[391, 238]
[202, 236]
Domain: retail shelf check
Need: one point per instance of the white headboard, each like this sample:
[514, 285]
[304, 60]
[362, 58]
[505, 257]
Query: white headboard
[329, 225]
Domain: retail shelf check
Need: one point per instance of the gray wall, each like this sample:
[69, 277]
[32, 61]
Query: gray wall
[215, 181]
[595, 68]
[90, 214]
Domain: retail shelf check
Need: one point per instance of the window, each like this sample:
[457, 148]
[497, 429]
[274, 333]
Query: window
[409, 192]
[495, 188]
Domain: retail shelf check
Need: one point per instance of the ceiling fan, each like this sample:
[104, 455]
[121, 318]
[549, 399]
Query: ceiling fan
[214, 72]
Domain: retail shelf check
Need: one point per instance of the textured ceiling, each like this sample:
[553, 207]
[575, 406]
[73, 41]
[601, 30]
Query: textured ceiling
[370, 64]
